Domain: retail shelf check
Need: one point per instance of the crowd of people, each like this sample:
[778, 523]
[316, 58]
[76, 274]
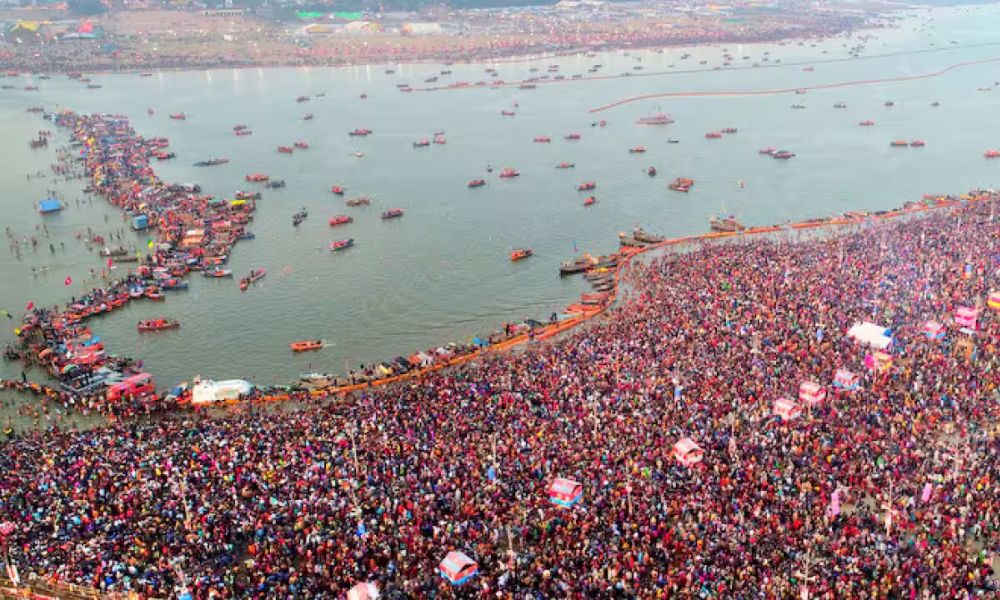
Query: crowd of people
[886, 491]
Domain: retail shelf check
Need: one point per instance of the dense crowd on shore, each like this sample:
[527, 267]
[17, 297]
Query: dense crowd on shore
[382, 485]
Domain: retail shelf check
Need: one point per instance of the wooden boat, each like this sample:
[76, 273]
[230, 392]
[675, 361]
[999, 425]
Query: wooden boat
[338, 245]
[158, 324]
[521, 254]
[306, 345]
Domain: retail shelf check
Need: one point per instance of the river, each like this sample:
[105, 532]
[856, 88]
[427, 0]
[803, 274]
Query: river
[442, 272]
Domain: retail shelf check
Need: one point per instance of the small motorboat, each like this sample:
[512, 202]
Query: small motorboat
[359, 201]
[243, 132]
[439, 139]
[254, 276]
[590, 200]
[840, 105]
[422, 144]
[637, 150]
[798, 106]
[339, 245]
[474, 183]
[241, 195]
[358, 154]
[392, 213]
[301, 145]
[889, 103]
[571, 136]
[769, 151]
[300, 216]
[935, 104]
[275, 184]
[673, 141]
[542, 139]
[359, 132]
[783, 155]
[565, 165]
[992, 154]
[211, 162]
[257, 178]
[506, 113]
[918, 144]
[586, 186]
[302, 99]
[159, 324]
[285, 149]
[729, 130]
[240, 127]
[899, 143]
[726, 224]
[306, 345]
[681, 184]
[651, 171]
[521, 254]
[154, 294]
[340, 220]
[178, 116]
[509, 172]
[217, 273]
[338, 190]
[308, 117]
[713, 135]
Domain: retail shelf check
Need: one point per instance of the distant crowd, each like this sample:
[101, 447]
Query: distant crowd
[884, 491]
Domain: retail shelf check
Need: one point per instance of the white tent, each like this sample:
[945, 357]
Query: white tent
[210, 392]
[870, 334]
[688, 453]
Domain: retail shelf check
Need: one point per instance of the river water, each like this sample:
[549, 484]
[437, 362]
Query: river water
[442, 272]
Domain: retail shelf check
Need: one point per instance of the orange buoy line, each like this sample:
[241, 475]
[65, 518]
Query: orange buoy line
[776, 91]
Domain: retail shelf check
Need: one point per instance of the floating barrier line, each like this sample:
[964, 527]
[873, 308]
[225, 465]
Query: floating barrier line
[776, 91]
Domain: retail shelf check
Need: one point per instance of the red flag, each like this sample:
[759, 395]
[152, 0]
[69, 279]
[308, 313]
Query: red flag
[31, 305]
[69, 280]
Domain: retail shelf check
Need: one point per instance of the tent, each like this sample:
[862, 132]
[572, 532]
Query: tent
[565, 492]
[786, 409]
[879, 361]
[363, 591]
[966, 316]
[458, 568]
[687, 452]
[934, 330]
[870, 334]
[993, 300]
[845, 380]
[811, 393]
[49, 205]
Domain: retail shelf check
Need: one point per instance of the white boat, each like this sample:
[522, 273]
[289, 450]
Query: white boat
[207, 391]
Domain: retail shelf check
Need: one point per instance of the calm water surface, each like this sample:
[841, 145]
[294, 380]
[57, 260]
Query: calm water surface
[442, 271]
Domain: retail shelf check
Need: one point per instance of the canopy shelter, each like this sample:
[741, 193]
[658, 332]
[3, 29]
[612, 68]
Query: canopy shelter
[458, 568]
[786, 409]
[845, 380]
[687, 452]
[811, 393]
[993, 300]
[934, 330]
[49, 205]
[966, 316]
[870, 334]
[565, 492]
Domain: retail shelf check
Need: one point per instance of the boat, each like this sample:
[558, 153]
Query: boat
[889, 103]
[935, 104]
[637, 150]
[918, 144]
[800, 91]
[254, 276]
[658, 118]
[579, 265]
[565, 165]
[586, 185]
[257, 177]
[360, 132]
[392, 213]
[308, 117]
[673, 141]
[729, 130]
[783, 155]
[340, 220]
[713, 135]
[306, 345]
[840, 105]
[300, 216]
[240, 127]
[509, 172]
[275, 184]
[154, 294]
[647, 238]
[211, 162]
[241, 195]
[506, 113]
[681, 184]
[358, 154]
[866, 123]
[159, 324]
[244, 132]
[285, 149]
[164, 155]
[521, 254]
[40, 142]
[339, 245]
[359, 201]
[992, 154]
[769, 151]
[725, 224]
[527, 86]
[422, 144]
[899, 143]
[542, 139]
[439, 139]
[178, 116]
[216, 273]
[301, 145]
[651, 171]
[589, 200]
[474, 183]
[338, 190]
[798, 106]
[571, 136]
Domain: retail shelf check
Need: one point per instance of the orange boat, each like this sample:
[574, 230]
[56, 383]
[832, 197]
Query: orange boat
[521, 254]
[572, 136]
[899, 143]
[301, 145]
[586, 185]
[637, 150]
[565, 165]
[474, 183]
[589, 201]
[992, 154]
[340, 220]
[681, 184]
[179, 116]
[542, 139]
[509, 172]
[713, 135]
[158, 324]
[306, 345]
[337, 190]
[257, 177]
[285, 149]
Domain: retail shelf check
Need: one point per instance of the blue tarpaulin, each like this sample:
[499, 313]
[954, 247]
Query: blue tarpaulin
[49, 205]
